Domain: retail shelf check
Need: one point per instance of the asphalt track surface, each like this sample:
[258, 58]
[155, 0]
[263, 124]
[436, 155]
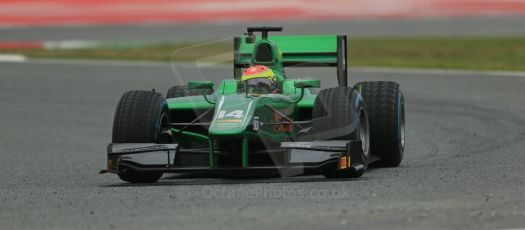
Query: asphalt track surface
[463, 167]
[479, 26]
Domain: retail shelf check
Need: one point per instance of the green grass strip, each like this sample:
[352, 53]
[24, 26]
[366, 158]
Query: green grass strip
[442, 53]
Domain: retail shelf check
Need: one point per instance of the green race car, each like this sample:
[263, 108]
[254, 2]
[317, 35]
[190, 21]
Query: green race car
[294, 130]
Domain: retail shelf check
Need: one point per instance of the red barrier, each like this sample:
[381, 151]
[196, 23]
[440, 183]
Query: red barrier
[87, 12]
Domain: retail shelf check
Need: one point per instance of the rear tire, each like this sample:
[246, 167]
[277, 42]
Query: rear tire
[139, 118]
[183, 91]
[386, 111]
[340, 114]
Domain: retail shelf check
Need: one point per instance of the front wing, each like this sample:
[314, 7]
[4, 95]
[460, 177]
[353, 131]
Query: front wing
[303, 158]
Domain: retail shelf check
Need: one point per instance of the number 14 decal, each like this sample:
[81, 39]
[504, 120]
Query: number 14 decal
[238, 114]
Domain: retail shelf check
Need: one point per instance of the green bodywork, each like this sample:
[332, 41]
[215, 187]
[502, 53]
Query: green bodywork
[231, 113]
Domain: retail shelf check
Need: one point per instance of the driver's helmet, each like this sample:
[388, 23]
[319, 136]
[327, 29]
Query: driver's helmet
[259, 79]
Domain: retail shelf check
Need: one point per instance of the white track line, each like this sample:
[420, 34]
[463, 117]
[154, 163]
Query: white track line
[126, 63]
[12, 58]
[98, 62]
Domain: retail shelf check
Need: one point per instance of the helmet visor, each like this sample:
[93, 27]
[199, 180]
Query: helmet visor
[259, 85]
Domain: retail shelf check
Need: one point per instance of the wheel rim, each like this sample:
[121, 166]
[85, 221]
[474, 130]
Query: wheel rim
[163, 121]
[163, 128]
[364, 132]
[402, 125]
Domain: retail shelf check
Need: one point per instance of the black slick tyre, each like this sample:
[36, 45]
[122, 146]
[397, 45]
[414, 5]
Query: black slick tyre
[386, 112]
[139, 118]
[340, 114]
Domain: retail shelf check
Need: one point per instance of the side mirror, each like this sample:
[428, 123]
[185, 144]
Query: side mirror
[302, 84]
[200, 85]
[250, 38]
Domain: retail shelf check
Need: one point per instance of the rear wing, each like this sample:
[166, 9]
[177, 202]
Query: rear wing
[299, 51]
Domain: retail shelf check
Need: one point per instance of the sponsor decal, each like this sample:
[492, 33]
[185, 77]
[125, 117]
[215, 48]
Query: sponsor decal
[281, 127]
[229, 118]
[229, 121]
[256, 123]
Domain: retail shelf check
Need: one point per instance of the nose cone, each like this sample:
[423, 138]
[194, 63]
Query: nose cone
[232, 115]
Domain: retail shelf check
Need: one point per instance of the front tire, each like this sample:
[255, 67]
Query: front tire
[139, 118]
[340, 114]
[386, 110]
